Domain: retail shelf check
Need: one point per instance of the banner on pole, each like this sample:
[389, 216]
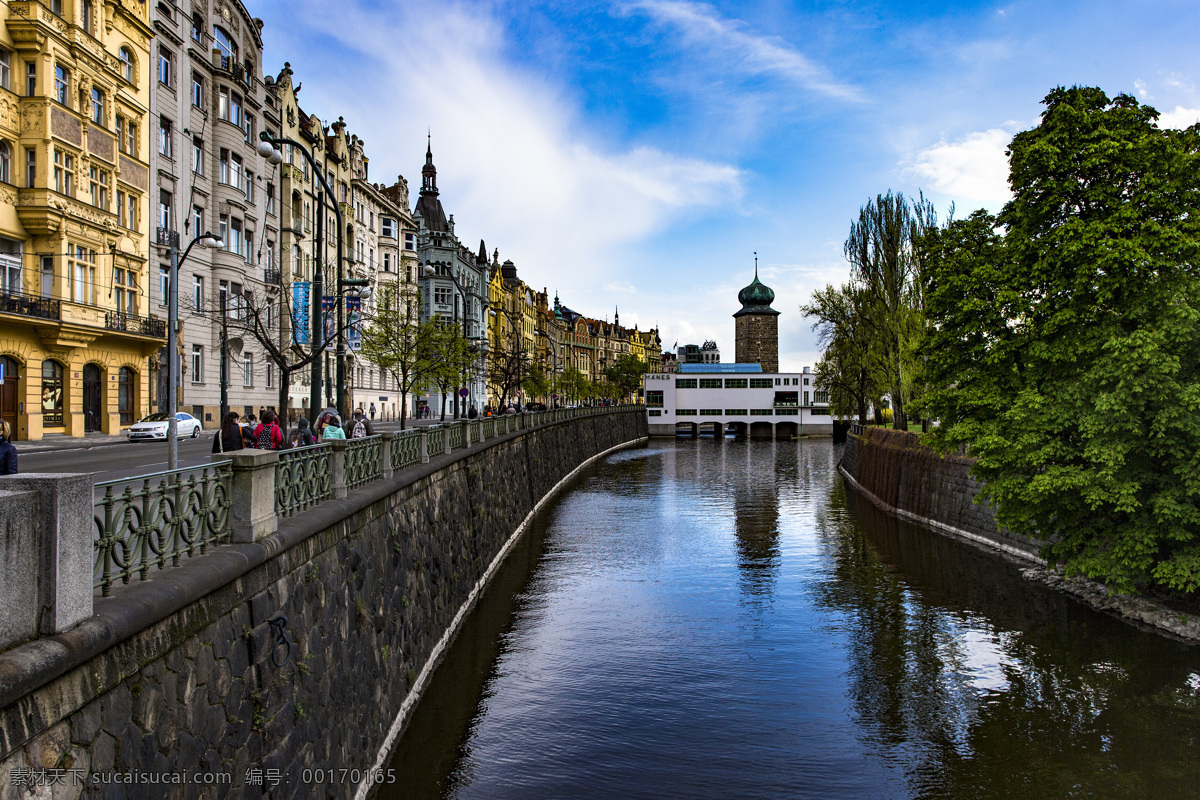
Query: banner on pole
[354, 323]
[328, 319]
[300, 312]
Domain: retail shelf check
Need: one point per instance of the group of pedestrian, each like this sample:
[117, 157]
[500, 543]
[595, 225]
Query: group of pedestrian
[268, 435]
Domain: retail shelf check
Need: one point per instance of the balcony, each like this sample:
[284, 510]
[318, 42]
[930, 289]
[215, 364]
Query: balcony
[131, 323]
[272, 277]
[166, 237]
[27, 305]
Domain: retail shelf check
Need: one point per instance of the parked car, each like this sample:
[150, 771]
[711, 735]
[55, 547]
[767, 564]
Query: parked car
[155, 427]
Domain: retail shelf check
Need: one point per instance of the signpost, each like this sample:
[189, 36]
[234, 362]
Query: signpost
[463, 393]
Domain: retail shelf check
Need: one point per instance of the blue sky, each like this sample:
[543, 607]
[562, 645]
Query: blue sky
[637, 154]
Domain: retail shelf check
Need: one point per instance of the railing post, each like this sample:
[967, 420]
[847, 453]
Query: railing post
[338, 484]
[467, 434]
[385, 455]
[424, 437]
[252, 495]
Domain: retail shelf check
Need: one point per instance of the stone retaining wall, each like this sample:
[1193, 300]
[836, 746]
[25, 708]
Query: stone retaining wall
[191, 676]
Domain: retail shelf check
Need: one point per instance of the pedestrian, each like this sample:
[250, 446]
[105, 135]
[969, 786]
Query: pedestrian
[372, 412]
[333, 429]
[8, 453]
[471, 412]
[302, 436]
[269, 435]
[229, 437]
[250, 430]
[357, 427]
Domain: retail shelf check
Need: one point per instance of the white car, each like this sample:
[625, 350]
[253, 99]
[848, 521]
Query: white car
[155, 427]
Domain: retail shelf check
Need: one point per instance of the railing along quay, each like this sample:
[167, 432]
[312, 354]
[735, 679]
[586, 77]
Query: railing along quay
[180, 513]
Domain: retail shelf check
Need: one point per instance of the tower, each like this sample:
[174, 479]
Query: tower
[756, 326]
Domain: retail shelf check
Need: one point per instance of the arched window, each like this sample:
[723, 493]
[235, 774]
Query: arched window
[52, 393]
[225, 43]
[5, 162]
[126, 394]
[126, 64]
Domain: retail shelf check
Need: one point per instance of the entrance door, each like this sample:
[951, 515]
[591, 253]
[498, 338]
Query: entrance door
[91, 398]
[8, 393]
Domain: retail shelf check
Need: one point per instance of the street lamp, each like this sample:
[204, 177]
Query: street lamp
[428, 271]
[212, 241]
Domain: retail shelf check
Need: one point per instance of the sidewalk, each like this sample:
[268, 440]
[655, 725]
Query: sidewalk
[59, 441]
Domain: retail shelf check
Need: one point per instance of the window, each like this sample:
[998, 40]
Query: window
[52, 393]
[710, 383]
[120, 125]
[270, 255]
[296, 262]
[197, 91]
[806, 381]
[81, 269]
[223, 229]
[820, 397]
[387, 262]
[122, 220]
[761, 383]
[10, 275]
[166, 201]
[389, 226]
[164, 136]
[198, 292]
[235, 109]
[224, 167]
[761, 412]
[64, 172]
[126, 389]
[165, 71]
[131, 201]
[164, 284]
[410, 241]
[234, 243]
[709, 412]
[47, 286]
[441, 295]
[247, 243]
[735, 383]
[131, 138]
[250, 187]
[197, 28]
[125, 290]
[61, 77]
[270, 198]
[5, 162]
[806, 398]
[197, 155]
[5, 68]
[197, 363]
[85, 15]
[249, 128]
[247, 369]
[126, 59]
[224, 42]
[197, 221]
[235, 171]
[30, 167]
[98, 187]
[223, 103]
[223, 297]
[270, 375]
[31, 78]
[342, 192]
[654, 399]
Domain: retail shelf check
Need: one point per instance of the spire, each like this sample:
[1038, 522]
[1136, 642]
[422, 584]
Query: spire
[429, 171]
[755, 265]
[616, 316]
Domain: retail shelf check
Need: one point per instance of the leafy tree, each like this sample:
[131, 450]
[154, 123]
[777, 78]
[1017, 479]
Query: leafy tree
[1065, 348]
[574, 386]
[625, 375]
[397, 341]
[536, 384]
[452, 357]
[851, 368]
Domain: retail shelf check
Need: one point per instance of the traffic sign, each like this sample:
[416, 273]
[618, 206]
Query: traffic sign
[463, 393]
[553, 397]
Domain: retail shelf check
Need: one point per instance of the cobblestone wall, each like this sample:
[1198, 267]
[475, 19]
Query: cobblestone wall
[906, 478]
[368, 594]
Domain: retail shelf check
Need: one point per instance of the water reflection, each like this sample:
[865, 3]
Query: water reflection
[613, 657]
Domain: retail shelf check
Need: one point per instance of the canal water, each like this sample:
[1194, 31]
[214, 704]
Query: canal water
[692, 620]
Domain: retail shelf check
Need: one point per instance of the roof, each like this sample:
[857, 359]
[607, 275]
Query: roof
[703, 368]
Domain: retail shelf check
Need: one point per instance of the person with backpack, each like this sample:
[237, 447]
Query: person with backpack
[302, 436]
[333, 430]
[358, 427]
[229, 438]
[269, 436]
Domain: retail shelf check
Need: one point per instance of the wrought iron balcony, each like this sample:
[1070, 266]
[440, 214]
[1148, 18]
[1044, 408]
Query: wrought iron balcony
[167, 237]
[28, 305]
[273, 277]
[131, 323]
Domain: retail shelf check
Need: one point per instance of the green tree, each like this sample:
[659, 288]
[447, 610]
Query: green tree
[397, 341]
[851, 368]
[574, 385]
[625, 375]
[536, 384]
[453, 357]
[1064, 350]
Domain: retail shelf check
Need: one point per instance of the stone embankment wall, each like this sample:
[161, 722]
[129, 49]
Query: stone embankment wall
[906, 478]
[188, 673]
[898, 474]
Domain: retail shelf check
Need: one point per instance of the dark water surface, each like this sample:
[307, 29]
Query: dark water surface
[699, 621]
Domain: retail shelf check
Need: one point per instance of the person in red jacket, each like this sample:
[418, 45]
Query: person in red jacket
[268, 435]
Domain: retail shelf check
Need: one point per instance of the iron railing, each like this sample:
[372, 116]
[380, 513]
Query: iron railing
[406, 449]
[363, 460]
[454, 437]
[474, 426]
[487, 428]
[173, 514]
[303, 478]
[273, 277]
[28, 305]
[437, 440]
[131, 323]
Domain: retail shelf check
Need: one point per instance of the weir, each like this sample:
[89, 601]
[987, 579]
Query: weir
[301, 645]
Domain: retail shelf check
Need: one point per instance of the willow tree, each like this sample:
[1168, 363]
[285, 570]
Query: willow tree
[851, 365]
[882, 251]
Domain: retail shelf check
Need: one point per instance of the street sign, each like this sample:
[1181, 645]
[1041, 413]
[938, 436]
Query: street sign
[1, 372]
[553, 397]
[463, 393]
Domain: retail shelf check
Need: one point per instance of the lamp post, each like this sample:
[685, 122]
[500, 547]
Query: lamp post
[210, 240]
[429, 272]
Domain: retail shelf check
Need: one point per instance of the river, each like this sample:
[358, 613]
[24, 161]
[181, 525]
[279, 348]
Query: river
[698, 620]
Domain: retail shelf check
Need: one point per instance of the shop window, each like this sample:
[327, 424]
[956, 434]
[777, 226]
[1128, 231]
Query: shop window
[52, 393]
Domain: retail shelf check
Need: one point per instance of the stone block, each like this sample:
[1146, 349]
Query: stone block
[252, 495]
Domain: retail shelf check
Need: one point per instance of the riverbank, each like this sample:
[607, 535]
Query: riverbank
[904, 478]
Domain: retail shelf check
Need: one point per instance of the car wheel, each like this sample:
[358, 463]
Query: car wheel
[196, 432]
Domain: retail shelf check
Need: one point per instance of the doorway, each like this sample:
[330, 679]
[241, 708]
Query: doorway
[8, 392]
[92, 390]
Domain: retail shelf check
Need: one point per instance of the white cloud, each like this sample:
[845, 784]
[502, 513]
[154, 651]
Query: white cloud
[1179, 118]
[619, 286]
[516, 164]
[972, 168]
[740, 50]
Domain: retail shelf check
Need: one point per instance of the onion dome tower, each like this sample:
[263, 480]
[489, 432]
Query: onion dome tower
[756, 326]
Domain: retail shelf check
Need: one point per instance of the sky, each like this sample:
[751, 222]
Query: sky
[637, 155]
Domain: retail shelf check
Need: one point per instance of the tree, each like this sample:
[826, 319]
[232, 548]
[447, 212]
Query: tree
[851, 368]
[625, 374]
[452, 356]
[536, 384]
[1064, 349]
[574, 385]
[397, 341]
[881, 252]
[508, 363]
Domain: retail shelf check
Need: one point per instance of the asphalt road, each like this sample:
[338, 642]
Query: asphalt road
[114, 461]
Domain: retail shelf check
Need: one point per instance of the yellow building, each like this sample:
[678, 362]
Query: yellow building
[75, 218]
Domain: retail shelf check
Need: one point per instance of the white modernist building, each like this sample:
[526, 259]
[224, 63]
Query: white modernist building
[737, 398]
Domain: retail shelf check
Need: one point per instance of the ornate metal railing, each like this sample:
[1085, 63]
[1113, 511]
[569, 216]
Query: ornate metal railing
[406, 449]
[171, 515]
[487, 427]
[130, 323]
[474, 426]
[29, 306]
[437, 440]
[362, 460]
[454, 437]
[303, 478]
